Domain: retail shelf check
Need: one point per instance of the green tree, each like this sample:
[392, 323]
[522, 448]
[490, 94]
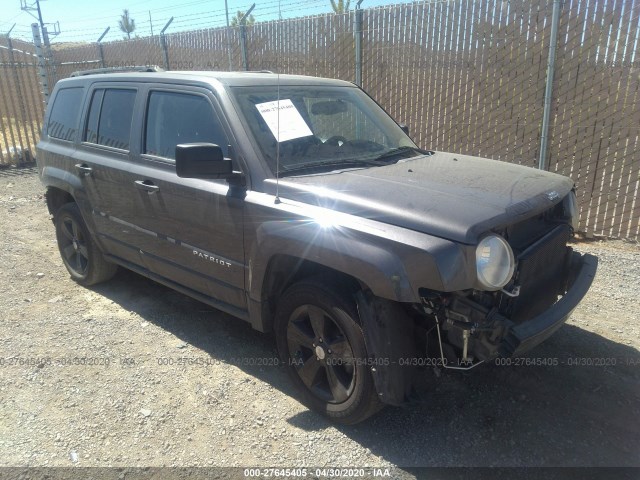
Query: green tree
[340, 6]
[126, 23]
[235, 21]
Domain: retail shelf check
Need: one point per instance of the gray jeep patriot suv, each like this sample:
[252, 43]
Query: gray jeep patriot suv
[297, 204]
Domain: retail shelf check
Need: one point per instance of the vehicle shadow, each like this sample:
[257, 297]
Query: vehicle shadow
[574, 401]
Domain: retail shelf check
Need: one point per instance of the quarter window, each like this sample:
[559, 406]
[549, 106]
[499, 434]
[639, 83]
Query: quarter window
[94, 115]
[63, 119]
[176, 118]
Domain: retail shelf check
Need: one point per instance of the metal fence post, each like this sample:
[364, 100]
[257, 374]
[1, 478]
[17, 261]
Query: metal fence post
[42, 69]
[228, 33]
[243, 47]
[100, 49]
[243, 37]
[163, 43]
[358, 34]
[48, 54]
[548, 94]
[101, 53]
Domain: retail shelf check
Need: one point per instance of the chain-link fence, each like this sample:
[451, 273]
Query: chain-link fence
[21, 104]
[595, 130]
[467, 76]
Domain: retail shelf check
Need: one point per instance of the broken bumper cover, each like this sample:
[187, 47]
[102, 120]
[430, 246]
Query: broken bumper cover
[530, 333]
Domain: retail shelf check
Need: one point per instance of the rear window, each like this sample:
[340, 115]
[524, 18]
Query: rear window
[110, 115]
[63, 120]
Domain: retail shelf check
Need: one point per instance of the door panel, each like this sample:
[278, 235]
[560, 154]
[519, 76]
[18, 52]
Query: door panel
[197, 225]
[115, 210]
[198, 234]
[103, 160]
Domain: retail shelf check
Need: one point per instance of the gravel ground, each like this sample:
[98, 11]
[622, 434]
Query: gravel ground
[173, 382]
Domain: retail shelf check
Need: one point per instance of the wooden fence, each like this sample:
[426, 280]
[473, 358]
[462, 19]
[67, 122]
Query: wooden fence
[466, 76]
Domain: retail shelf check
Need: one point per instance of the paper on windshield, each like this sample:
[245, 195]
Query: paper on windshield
[291, 123]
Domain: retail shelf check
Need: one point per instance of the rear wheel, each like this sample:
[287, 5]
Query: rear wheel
[78, 250]
[322, 344]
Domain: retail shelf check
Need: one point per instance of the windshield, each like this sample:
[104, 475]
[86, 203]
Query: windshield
[321, 128]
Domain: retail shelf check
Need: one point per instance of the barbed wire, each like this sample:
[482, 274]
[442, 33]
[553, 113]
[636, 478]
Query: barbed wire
[265, 11]
[208, 18]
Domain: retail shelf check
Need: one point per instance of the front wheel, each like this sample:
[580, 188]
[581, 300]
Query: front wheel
[321, 343]
[80, 254]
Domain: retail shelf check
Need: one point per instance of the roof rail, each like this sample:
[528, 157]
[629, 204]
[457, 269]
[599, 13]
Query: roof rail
[95, 71]
[255, 71]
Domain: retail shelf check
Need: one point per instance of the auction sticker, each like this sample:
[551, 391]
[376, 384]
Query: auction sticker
[284, 118]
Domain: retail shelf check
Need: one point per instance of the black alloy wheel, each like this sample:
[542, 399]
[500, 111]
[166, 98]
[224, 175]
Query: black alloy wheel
[80, 254]
[321, 342]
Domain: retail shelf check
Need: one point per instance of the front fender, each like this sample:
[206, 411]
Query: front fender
[381, 270]
[394, 263]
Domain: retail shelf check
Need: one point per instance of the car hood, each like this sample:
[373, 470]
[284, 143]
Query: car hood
[451, 196]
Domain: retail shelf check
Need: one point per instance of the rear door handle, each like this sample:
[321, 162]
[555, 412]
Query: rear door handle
[146, 185]
[84, 169]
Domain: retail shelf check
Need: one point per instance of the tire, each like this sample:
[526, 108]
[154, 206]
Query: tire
[80, 254]
[322, 346]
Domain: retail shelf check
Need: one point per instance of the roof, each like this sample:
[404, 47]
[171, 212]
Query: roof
[233, 79]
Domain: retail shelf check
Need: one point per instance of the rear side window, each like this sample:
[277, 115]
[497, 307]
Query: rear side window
[175, 118]
[63, 119]
[110, 115]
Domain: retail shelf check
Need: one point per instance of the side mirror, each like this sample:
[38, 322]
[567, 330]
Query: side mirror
[404, 128]
[202, 160]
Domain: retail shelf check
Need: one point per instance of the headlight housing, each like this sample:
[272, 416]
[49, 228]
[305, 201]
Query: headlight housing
[495, 262]
[571, 210]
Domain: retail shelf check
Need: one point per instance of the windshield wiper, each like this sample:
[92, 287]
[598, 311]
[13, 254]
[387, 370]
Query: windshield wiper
[330, 163]
[401, 150]
[355, 162]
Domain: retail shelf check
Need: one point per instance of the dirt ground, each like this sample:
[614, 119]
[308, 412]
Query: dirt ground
[130, 373]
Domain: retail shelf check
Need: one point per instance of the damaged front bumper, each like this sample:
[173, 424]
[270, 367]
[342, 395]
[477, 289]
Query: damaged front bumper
[468, 333]
[527, 335]
[483, 333]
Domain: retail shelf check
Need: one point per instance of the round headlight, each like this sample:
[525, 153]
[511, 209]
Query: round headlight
[494, 262]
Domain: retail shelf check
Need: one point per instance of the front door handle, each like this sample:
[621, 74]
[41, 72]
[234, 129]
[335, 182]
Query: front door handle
[84, 169]
[146, 185]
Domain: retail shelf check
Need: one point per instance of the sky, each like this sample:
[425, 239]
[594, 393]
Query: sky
[85, 21]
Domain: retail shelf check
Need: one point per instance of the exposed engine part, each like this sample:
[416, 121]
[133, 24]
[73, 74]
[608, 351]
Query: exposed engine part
[465, 348]
[465, 322]
[444, 360]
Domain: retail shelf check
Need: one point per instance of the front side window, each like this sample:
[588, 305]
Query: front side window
[110, 116]
[321, 128]
[177, 118]
[63, 119]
